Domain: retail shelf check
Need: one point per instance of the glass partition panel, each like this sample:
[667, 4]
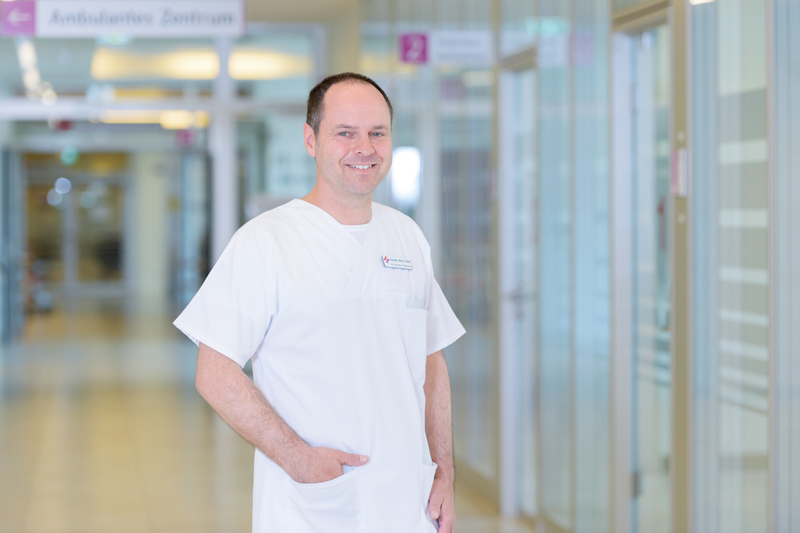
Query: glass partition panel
[444, 119]
[731, 266]
[786, 257]
[555, 318]
[465, 126]
[189, 222]
[591, 266]
[518, 26]
[278, 66]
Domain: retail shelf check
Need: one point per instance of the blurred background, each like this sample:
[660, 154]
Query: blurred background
[611, 189]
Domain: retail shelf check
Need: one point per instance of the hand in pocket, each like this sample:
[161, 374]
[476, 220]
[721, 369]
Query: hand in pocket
[324, 464]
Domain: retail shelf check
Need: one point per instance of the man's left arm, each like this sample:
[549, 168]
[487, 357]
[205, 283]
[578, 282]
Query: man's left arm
[439, 429]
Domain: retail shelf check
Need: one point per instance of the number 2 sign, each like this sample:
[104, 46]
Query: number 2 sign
[414, 48]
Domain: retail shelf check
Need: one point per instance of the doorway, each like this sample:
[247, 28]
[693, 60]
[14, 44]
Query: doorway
[519, 281]
[76, 228]
[642, 161]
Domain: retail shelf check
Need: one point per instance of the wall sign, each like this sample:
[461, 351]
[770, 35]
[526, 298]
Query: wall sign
[414, 48]
[469, 48]
[146, 18]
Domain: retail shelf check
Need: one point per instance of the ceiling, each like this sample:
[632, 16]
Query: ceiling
[296, 10]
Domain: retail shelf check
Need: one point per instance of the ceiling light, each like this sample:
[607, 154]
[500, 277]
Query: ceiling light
[176, 120]
[197, 64]
[201, 119]
[31, 79]
[26, 54]
[125, 116]
[49, 97]
[259, 64]
[180, 119]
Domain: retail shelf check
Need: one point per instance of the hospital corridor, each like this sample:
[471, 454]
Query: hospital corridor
[604, 194]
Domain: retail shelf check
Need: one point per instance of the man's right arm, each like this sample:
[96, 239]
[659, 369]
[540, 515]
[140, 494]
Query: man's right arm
[223, 384]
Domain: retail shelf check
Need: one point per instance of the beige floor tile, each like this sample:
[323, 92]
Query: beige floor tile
[103, 431]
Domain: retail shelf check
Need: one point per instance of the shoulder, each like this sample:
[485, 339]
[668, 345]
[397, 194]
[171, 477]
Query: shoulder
[264, 230]
[405, 223]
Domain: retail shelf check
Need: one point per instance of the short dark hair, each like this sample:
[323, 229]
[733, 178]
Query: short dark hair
[316, 97]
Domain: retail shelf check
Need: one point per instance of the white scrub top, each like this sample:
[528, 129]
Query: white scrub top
[338, 342]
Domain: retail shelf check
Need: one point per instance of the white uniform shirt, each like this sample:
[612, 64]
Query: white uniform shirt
[338, 342]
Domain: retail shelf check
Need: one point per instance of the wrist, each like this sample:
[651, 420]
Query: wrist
[296, 461]
[446, 475]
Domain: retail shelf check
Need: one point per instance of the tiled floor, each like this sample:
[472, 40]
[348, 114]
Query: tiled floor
[101, 430]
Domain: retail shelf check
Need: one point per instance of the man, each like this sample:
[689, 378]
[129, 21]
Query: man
[333, 297]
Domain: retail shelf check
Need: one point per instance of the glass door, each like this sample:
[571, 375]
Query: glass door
[650, 360]
[642, 249]
[519, 242]
[190, 226]
[75, 229]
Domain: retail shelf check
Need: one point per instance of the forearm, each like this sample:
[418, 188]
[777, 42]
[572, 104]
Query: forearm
[221, 382]
[438, 415]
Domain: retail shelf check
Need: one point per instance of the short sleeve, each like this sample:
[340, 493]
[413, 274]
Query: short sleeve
[444, 327]
[233, 308]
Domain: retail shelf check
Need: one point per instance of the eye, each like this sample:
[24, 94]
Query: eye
[378, 134]
[343, 134]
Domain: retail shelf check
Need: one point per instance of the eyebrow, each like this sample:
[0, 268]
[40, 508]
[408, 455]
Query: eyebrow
[348, 127]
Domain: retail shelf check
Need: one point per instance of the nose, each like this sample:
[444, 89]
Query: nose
[364, 146]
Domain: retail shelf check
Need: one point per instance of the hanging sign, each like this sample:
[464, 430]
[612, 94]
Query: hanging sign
[19, 18]
[145, 18]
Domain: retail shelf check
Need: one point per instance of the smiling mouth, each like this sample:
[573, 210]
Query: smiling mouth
[361, 167]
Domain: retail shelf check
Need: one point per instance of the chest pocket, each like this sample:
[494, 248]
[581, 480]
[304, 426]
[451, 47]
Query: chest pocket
[415, 335]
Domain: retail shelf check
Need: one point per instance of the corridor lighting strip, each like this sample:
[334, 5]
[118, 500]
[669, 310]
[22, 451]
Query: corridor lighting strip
[197, 64]
[169, 119]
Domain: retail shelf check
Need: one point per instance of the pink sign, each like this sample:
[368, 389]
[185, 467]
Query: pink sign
[19, 18]
[414, 48]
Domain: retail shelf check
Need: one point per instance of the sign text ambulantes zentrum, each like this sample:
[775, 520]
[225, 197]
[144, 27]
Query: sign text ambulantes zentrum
[143, 18]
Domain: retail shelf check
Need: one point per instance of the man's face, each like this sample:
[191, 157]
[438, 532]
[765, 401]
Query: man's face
[353, 148]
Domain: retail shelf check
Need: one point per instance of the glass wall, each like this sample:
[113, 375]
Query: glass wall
[556, 221]
[517, 26]
[785, 200]
[591, 264]
[574, 315]
[444, 110]
[731, 282]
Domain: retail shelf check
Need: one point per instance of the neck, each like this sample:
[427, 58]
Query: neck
[350, 211]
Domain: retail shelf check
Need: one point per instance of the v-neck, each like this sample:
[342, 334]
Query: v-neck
[336, 252]
[343, 227]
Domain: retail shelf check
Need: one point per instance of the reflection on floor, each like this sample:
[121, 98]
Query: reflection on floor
[101, 430]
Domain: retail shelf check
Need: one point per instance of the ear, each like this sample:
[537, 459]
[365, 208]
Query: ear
[310, 140]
